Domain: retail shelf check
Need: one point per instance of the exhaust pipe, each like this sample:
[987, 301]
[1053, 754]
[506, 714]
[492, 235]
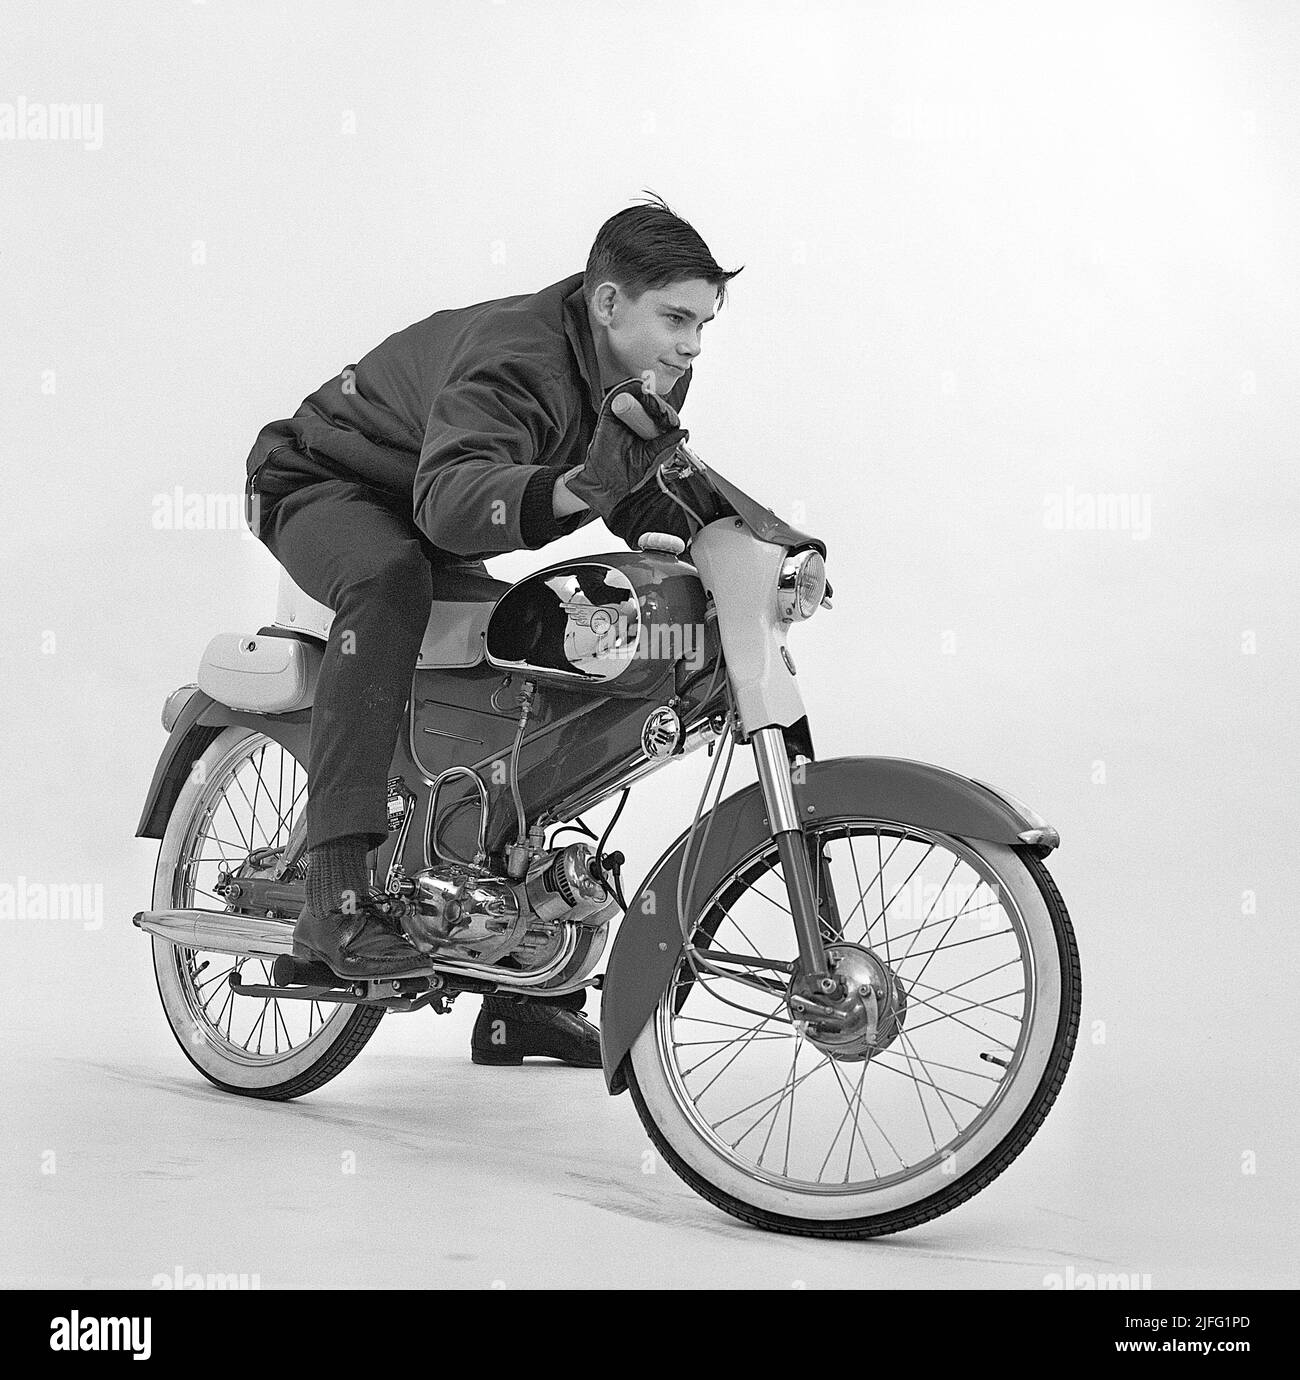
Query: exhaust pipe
[220, 931]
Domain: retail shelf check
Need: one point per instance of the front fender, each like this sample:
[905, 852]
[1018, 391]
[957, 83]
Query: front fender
[649, 940]
[199, 721]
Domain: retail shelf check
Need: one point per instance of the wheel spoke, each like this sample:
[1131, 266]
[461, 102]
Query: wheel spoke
[970, 1005]
[279, 793]
[884, 910]
[903, 1040]
[966, 982]
[730, 1061]
[279, 818]
[898, 890]
[252, 822]
[789, 1121]
[911, 1078]
[279, 1021]
[978, 883]
[850, 1113]
[787, 1090]
[731, 1116]
[234, 850]
[257, 786]
[952, 1016]
[729, 1025]
[219, 977]
[896, 1053]
[958, 943]
[785, 909]
[863, 892]
[216, 993]
[956, 863]
[751, 1034]
[774, 1110]
[239, 828]
[741, 932]
[258, 1026]
[856, 1130]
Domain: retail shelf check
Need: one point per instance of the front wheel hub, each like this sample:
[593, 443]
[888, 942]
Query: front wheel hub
[863, 1018]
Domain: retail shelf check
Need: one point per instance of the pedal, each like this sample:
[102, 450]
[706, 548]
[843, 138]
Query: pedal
[288, 971]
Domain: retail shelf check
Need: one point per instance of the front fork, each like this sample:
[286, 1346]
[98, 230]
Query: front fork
[812, 901]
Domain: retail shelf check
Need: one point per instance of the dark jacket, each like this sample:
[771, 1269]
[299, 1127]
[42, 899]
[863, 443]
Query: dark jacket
[470, 416]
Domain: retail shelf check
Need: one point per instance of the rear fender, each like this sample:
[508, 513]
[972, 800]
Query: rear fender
[649, 940]
[198, 723]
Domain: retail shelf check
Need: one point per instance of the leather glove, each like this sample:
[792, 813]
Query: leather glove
[619, 461]
[651, 510]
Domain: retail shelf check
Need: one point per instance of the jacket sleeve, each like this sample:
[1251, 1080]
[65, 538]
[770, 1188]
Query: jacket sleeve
[489, 426]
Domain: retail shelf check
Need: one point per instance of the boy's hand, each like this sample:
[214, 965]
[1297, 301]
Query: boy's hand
[618, 460]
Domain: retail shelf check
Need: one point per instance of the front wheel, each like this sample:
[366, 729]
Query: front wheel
[788, 1125]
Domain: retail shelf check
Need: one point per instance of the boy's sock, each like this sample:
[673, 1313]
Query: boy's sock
[336, 874]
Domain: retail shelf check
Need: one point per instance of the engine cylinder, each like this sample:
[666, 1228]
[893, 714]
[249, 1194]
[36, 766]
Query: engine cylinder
[477, 915]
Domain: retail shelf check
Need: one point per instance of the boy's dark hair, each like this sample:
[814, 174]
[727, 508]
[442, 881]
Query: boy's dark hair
[649, 246]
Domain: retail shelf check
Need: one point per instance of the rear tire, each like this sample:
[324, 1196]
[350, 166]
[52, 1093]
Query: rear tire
[252, 791]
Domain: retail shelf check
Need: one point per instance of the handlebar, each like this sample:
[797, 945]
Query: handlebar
[762, 521]
[630, 412]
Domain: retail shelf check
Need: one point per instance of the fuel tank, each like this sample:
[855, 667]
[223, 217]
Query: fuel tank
[617, 623]
[597, 715]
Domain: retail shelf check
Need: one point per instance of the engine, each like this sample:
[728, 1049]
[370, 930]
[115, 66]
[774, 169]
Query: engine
[556, 916]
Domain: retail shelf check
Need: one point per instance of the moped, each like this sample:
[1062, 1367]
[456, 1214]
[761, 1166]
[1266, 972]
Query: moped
[842, 1001]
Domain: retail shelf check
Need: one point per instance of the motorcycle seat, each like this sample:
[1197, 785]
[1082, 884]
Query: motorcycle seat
[456, 633]
[274, 672]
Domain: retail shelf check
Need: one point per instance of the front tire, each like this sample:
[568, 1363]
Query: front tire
[898, 1151]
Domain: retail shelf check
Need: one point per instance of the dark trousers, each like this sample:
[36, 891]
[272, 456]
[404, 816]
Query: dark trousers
[358, 551]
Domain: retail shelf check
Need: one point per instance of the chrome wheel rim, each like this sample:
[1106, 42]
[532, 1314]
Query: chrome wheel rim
[760, 1094]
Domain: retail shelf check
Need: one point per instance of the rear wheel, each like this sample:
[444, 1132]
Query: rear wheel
[972, 958]
[242, 812]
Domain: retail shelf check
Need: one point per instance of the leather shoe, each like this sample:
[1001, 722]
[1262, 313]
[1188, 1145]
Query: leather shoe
[361, 942]
[511, 1028]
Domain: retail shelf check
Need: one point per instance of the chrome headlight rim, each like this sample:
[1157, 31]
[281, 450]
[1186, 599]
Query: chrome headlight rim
[801, 585]
[174, 704]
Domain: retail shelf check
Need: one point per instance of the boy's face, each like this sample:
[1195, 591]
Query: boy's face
[661, 330]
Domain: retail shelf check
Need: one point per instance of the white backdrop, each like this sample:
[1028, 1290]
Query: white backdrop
[1015, 335]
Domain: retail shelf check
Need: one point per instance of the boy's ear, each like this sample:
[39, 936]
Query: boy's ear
[604, 302]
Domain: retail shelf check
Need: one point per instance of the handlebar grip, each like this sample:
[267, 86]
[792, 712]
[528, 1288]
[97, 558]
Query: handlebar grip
[630, 412]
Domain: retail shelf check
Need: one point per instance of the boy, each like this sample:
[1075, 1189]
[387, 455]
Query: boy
[471, 433]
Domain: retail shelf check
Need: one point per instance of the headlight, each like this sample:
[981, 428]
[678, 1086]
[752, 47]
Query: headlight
[174, 703]
[800, 586]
